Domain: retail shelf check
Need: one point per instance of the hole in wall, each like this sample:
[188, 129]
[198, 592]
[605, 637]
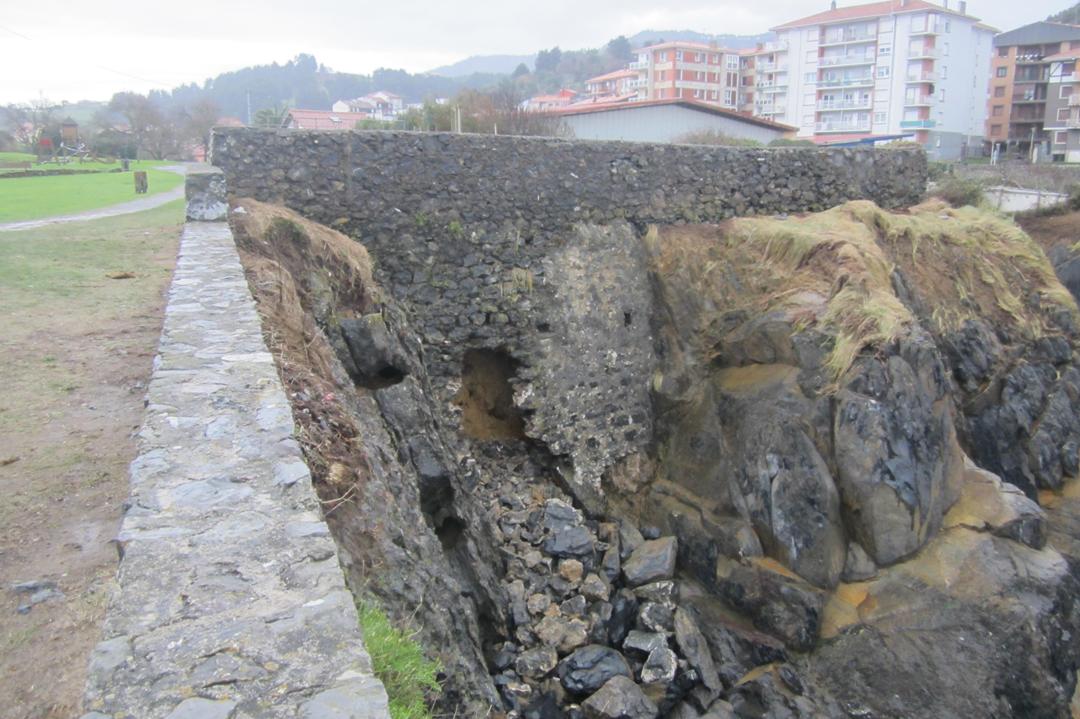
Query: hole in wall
[486, 398]
[627, 319]
[436, 504]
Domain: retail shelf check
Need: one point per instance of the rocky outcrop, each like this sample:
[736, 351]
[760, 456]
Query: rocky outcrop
[700, 469]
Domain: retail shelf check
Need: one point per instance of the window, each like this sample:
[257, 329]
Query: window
[715, 94]
[697, 94]
[885, 50]
[941, 95]
[947, 27]
[812, 35]
[811, 56]
[997, 111]
[808, 119]
[1068, 68]
[716, 59]
[810, 78]
[700, 57]
[729, 97]
[880, 118]
[995, 129]
[663, 57]
[945, 49]
[1002, 72]
[1061, 137]
[1003, 52]
[732, 62]
[999, 91]
[883, 71]
[1062, 114]
[678, 55]
[944, 72]
[1066, 91]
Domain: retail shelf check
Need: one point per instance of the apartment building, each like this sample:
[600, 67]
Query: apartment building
[1021, 97]
[1062, 119]
[886, 69]
[764, 80]
[687, 71]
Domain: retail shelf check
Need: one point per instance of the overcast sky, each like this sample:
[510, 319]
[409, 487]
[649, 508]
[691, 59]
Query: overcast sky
[89, 49]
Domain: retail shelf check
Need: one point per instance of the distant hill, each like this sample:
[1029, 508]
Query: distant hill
[485, 64]
[735, 42]
[1071, 15]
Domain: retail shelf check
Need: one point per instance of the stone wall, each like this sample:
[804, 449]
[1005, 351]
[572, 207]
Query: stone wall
[230, 600]
[532, 246]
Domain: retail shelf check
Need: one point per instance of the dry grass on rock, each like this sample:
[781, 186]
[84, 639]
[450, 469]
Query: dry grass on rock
[834, 271]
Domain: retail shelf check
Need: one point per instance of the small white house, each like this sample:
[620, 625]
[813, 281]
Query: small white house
[666, 121]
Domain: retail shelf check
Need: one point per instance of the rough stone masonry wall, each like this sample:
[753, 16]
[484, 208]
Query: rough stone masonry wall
[230, 601]
[494, 242]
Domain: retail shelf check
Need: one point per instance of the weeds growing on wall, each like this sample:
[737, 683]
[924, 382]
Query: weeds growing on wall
[399, 662]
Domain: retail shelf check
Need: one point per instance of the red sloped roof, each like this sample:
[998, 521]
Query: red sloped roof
[612, 76]
[326, 119]
[854, 12]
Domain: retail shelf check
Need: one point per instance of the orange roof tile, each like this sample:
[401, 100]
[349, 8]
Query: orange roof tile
[326, 119]
[869, 10]
[612, 75]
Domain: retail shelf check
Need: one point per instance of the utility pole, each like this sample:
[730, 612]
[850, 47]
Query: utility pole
[1031, 149]
[249, 107]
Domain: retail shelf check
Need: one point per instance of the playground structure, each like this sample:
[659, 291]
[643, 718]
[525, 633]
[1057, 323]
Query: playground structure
[71, 147]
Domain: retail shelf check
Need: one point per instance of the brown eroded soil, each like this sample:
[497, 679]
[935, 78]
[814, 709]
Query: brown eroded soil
[76, 351]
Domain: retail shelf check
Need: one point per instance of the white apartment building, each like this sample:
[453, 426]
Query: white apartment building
[899, 67]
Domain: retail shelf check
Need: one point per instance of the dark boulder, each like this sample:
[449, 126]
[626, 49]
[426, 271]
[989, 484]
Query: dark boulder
[619, 698]
[588, 668]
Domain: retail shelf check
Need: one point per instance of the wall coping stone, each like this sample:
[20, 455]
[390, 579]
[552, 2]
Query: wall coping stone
[230, 601]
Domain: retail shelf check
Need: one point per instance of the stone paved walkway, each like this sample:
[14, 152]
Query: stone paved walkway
[124, 208]
[231, 602]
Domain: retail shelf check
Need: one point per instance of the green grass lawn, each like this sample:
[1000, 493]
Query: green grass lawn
[29, 198]
[63, 261]
[96, 165]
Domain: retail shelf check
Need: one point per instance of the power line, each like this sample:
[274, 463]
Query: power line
[99, 67]
[15, 33]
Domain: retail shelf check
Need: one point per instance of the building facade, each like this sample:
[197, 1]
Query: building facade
[1021, 97]
[895, 68]
[666, 121]
[1062, 119]
[687, 71]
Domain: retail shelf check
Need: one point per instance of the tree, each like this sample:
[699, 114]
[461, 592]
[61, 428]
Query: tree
[548, 60]
[620, 50]
[199, 120]
[520, 71]
[27, 122]
[153, 134]
[1070, 16]
[271, 116]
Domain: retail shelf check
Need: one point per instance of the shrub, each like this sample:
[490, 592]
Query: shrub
[399, 662]
[712, 137]
[938, 170]
[791, 142]
[959, 192]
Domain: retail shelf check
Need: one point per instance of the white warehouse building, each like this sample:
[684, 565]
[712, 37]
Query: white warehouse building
[900, 67]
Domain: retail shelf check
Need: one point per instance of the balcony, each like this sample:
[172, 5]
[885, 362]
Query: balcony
[1025, 97]
[931, 28]
[1031, 59]
[919, 101]
[772, 67]
[917, 124]
[1074, 100]
[922, 77]
[776, 46]
[866, 81]
[830, 105]
[638, 65]
[842, 60]
[920, 53]
[854, 126]
[844, 38]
